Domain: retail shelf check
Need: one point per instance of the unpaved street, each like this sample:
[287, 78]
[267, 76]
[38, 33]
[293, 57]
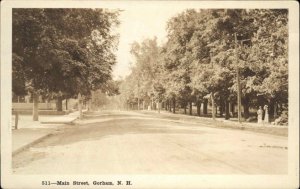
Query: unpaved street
[135, 143]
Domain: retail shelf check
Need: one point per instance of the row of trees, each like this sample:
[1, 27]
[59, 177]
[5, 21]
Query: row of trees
[208, 52]
[62, 53]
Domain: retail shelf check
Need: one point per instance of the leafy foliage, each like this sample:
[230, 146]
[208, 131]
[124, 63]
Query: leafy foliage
[64, 51]
[202, 55]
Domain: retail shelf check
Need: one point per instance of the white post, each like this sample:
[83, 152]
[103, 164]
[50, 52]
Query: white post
[259, 115]
[266, 120]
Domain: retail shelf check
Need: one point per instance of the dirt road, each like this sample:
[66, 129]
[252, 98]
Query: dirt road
[135, 143]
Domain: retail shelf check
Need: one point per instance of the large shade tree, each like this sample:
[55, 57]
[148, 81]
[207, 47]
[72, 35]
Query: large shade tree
[63, 52]
[213, 55]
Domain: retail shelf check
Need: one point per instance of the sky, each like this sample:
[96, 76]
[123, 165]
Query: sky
[137, 25]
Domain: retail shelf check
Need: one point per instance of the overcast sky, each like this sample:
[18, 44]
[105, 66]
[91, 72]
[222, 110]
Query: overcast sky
[139, 24]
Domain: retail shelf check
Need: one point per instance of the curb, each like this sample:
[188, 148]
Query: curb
[21, 149]
[58, 122]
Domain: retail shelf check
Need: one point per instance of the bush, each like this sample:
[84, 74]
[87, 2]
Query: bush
[283, 118]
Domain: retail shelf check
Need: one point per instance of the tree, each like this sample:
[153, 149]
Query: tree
[18, 76]
[269, 57]
[146, 68]
[65, 51]
[218, 54]
[178, 58]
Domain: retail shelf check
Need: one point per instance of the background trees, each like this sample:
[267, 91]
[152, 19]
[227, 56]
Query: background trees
[62, 52]
[142, 87]
[201, 58]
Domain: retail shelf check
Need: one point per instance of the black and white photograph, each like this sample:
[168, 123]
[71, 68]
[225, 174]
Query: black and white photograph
[162, 94]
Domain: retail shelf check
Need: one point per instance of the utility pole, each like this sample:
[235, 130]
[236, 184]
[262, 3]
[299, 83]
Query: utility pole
[212, 93]
[239, 92]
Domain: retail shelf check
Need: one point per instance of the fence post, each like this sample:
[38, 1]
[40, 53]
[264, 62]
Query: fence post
[16, 120]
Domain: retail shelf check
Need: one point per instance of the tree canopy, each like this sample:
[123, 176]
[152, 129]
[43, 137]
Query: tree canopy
[202, 55]
[63, 51]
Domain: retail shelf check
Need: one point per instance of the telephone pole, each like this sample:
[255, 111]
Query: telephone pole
[239, 92]
[213, 108]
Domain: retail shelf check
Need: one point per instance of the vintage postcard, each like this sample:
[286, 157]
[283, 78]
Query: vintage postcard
[149, 94]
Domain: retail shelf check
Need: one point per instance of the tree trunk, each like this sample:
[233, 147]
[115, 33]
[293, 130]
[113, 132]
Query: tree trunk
[59, 103]
[66, 104]
[152, 104]
[159, 106]
[47, 104]
[90, 105]
[205, 106]
[227, 115]
[170, 106]
[232, 108]
[213, 113]
[198, 108]
[272, 108]
[275, 110]
[221, 108]
[184, 106]
[35, 112]
[83, 103]
[174, 105]
[16, 120]
[279, 109]
[246, 110]
[191, 108]
[166, 105]
[80, 105]
[92, 100]
[246, 101]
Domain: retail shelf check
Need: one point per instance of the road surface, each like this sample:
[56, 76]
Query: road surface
[136, 143]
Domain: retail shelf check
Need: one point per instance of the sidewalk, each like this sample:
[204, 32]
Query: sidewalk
[25, 138]
[31, 132]
[222, 123]
[65, 119]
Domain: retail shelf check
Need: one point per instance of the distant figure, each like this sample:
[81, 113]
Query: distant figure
[266, 120]
[259, 115]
